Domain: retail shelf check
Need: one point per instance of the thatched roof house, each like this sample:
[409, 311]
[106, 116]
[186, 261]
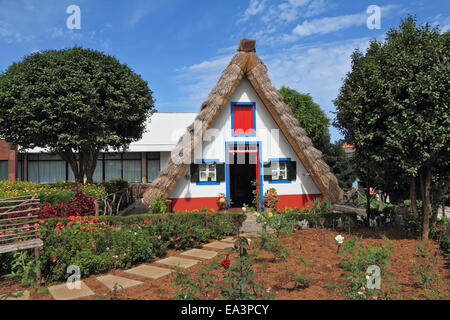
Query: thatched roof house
[249, 73]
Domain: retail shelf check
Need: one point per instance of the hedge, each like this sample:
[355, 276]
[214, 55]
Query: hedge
[99, 244]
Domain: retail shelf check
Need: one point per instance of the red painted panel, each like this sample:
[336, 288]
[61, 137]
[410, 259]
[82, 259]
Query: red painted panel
[296, 200]
[284, 201]
[243, 119]
[181, 204]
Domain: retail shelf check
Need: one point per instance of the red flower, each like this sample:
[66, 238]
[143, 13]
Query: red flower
[225, 263]
[171, 239]
[178, 238]
[176, 245]
[53, 259]
[147, 222]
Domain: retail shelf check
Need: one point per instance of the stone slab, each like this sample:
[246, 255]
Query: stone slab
[218, 245]
[122, 283]
[229, 239]
[25, 296]
[147, 271]
[178, 262]
[62, 292]
[199, 253]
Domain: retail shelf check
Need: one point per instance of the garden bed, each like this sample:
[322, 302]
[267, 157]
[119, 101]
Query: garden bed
[317, 245]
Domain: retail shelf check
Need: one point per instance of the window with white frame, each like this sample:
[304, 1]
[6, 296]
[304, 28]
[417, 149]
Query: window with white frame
[207, 172]
[279, 170]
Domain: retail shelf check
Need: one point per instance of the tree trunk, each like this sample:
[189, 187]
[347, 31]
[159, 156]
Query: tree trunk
[426, 204]
[84, 166]
[69, 156]
[413, 197]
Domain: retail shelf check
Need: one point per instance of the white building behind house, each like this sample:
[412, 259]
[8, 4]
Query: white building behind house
[140, 163]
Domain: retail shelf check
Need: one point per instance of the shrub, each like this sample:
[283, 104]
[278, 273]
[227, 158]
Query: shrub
[49, 193]
[80, 205]
[114, 186]
[236, 282]
[98, 244]
[357, 258]
[158, 205]
[270, 198]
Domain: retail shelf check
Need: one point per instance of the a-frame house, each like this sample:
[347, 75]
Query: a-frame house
[244, 132]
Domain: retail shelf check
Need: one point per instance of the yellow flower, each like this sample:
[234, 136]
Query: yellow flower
[270, 214]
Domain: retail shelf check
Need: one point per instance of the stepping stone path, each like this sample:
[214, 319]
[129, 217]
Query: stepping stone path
[122, 283]
[218, 245]
[178, 262]
[62, 292]
[199, 253]
[147, 271]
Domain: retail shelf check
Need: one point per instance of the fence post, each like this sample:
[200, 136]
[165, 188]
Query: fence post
[96, 207]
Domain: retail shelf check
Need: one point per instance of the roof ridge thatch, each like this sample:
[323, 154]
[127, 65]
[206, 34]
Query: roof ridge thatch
[245, 63]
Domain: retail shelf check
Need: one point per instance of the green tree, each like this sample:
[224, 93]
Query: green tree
[394, 107]
[75, 102]
[315, 122]
[310, 116]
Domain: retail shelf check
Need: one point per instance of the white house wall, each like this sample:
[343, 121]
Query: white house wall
[273, 145]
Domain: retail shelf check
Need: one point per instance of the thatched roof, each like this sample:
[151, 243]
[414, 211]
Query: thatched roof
[245, 63]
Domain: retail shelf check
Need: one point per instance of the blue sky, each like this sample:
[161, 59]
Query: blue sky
[180, 47]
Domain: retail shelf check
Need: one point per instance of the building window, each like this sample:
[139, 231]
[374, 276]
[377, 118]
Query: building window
[46, 168]
[4, 170]
[243, 119]
[153, 166]
[207, 172]
[281, 170]
[131, 163]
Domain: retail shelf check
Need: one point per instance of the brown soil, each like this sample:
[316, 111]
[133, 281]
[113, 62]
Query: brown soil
[314, 244]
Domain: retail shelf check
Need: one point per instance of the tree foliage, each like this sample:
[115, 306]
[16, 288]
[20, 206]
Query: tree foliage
[75, 102]
[394, 106]
[315, 122]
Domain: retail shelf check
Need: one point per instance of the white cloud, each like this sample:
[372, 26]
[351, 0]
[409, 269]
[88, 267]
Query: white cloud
[443, 22]
[255, 7]
[331, 24]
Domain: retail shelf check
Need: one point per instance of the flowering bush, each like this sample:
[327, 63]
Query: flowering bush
[236, 282]
[357, 258]
[52, 193]
[81, 204]
[270, 198]
[222, 201]
[98, 244]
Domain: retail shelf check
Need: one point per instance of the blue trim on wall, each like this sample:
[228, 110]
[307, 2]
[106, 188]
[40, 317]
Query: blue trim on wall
[207, 183]
[279, 159]
[280, 181]
[261, 181]
[254, 119]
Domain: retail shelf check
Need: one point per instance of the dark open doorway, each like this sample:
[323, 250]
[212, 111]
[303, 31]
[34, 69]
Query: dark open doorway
[242, 170]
